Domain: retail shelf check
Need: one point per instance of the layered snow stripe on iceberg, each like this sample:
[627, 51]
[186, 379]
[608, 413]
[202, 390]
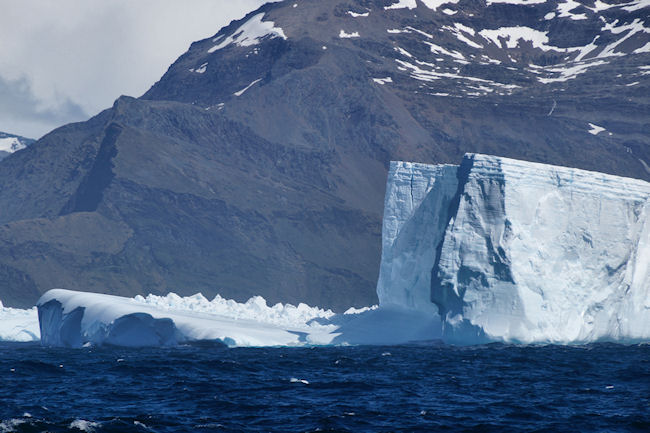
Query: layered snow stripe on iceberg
[520, 251]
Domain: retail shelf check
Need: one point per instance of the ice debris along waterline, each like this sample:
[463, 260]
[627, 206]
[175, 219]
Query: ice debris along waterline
[494, 249]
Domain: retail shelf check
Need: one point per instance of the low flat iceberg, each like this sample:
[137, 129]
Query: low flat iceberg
[75, 319]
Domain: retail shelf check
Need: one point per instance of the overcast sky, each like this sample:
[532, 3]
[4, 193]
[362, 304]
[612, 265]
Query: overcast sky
[66, 60]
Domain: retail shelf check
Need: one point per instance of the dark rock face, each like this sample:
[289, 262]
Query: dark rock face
[257, 164]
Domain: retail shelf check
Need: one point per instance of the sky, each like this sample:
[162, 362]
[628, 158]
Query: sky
[66, 60]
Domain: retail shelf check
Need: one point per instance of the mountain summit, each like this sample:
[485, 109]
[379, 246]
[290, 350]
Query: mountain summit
[257, 164]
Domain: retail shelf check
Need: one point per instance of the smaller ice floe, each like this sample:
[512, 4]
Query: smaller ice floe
[402, 4]
[74, 319]
[345, 35]
[83, 425]
[595, 129]
[295, 380]
[241, 92]
[18, 325]
[449, 12]
[549, 16]
[250, 33]
[382, 81]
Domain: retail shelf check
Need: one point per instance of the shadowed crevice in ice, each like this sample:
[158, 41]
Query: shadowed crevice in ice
[140, 330]
[59, 328]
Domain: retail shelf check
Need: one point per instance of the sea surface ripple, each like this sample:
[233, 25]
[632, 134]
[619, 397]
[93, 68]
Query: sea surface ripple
[208, 388]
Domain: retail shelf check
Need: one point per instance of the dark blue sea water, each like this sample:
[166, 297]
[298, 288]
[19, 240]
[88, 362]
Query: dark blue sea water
[499, 388]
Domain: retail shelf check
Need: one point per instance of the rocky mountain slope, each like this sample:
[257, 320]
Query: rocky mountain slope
[10, 143]
[257, 164]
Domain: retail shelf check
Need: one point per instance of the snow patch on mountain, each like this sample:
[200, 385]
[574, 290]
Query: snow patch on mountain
[564, 10]
[513, 35]
[345, 35]
[402, 4]
[11, 144]
[435, 4]
[357, 15]
[249, 33]
[383, 81]
[565, 72]
[242, 91]
[515, 2]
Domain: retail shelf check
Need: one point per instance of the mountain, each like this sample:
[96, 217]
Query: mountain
[10, 143]
[257, 164]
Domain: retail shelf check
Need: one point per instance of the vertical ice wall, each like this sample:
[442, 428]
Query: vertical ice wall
[519, 251]
[415, 217]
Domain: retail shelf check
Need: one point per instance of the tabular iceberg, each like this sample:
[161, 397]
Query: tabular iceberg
[518, 251]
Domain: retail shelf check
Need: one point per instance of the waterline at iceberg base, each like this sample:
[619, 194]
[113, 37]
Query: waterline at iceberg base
[494, 249]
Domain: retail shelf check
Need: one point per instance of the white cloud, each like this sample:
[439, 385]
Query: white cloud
[85, 53]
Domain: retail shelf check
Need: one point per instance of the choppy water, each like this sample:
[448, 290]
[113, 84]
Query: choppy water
[361, 389]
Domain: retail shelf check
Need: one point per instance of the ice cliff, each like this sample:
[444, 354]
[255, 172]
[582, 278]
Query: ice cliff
[515, 251]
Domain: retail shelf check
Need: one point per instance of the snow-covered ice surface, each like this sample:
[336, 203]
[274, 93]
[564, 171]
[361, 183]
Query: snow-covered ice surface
[18, 325]
[73, 319]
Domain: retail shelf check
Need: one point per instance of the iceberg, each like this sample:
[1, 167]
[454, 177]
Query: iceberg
[494, 249]
[74, 319]
[519, 252]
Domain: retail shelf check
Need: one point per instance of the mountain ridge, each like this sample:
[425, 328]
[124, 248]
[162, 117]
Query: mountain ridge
[259, 167]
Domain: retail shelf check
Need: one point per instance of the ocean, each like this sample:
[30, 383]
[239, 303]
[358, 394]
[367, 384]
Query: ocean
[409, 388]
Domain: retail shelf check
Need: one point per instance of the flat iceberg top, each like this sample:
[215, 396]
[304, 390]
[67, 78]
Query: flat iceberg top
[592, 182]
